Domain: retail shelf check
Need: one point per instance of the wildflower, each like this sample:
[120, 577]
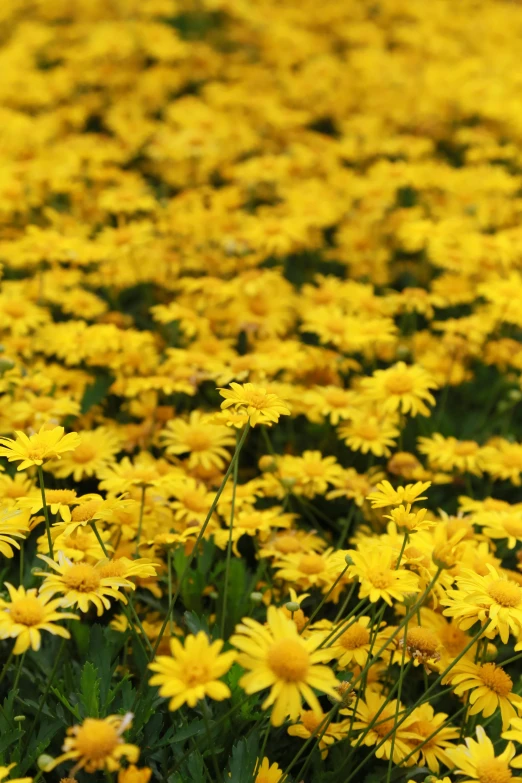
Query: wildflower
[379, 578]
[193, 671]
[97, 744]
[13, 525]
[386, 495]
[354, 644]
[261, 407]
[268, 773]
[422, 645]
[400, 737]
[490, 597]
[477, 761]
[98, 447]
[279, 659]
[81, 584]
[46, 444]
[4, 772]
[58, 501]
[432, 751]
[26, 614]
[401, 388]
[369, 434]
[312, 724]
[204, 442]
[489, 687]
[133, 774]
[449, 454]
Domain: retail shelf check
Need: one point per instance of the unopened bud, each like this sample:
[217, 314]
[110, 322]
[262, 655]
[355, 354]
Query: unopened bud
[410, 598]
[19, 718]
[44, 761]
[214, 595]
[292, 606]
[348, 560]
[6, 364]
[256, 598]
[515, 395]
[267, 464]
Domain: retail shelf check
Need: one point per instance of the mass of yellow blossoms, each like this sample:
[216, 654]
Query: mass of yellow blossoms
[260, 391]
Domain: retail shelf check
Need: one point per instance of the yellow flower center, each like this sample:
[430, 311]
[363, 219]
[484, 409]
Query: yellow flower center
[355, 637]
[336, 398]
[82, 577]
[194, 501]
[43, 404]
[383, 727]
[36, 452]
[367, 431]
[493, 771]
[287, 544]
[112, 568]
[310, 720]
[399, 383]
[27, 611]
[453, 639]
[496, 679]
[422, 640]
[257, 400]
[96, 739]
[84, 453]
[85, 511]
[289, 660]
[195, 673]
[511, 459]
[424, 728]
[505, 593]
[380, 579]
[465, 448]
[311, 564]
[65, 496]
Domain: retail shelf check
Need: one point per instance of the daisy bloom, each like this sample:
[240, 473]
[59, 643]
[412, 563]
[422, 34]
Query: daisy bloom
[432, 751]
[369, 434]
[26, 614]
[133, 774]
[476, 760]
[204, 442]
[192, 671]
[279, 659]
[365, 714]
[514, 732]
[309, 723]
[46, 444]
[353, 645]
[260, 406]
[13, 525]
[98, 447]
[491, 597]
[448, 454]
[386, 495]
[401, 388]
[4, 772]
[268, 773]
[489, 688]
[81, 584]
[379, 577]
[97, 744]
[58, 501]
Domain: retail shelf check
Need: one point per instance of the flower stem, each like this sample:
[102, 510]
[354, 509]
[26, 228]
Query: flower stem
[398, 705]
[323, 600]
[205, 713]
[140, 520]
[46, 512]
[6, 667]
[229, 545]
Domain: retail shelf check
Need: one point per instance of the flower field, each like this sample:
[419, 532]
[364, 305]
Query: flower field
[261, 399]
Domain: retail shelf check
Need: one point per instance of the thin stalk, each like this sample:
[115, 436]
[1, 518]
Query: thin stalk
[324, 724]
[19, 666]
[324, 599]
[398, 705]
[262, 752]
[206, 721]
[46, 512]
[6, 667]
[169, 576]
[140, 520]
[346, 527]
[350, 620]
[345, 602]
[229, 545]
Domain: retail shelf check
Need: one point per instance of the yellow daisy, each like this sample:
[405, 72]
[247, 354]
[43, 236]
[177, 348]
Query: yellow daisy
[260, 406]
[489, 687]
[204, 442]
[476, 760]
[98, 448]
[26, 614]
[401, 388]
[46, 444]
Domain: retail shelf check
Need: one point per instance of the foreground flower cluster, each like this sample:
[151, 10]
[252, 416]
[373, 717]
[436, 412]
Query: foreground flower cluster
[260, 373]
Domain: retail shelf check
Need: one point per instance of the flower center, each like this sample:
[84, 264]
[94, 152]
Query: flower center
[83, 453]
[36, 452]
[82, 577]
[383, 727]
[513, 526]
[380, 579]
[493, 771]
[465, 448]
[27, 611]
[85, 511]
[195, 674]
[310, 720]
[422, 640]
[400, 383]
[287, 544]
[289, 660]
[355, 637]
[60, 496]
[311, 564]
[96, 739]
[496, 679]
[505, 593]
[112, 568]
[367, 431]
[257, 400]
[194, 502]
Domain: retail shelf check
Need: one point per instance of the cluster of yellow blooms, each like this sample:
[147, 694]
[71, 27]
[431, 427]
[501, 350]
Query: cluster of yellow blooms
[260, 375]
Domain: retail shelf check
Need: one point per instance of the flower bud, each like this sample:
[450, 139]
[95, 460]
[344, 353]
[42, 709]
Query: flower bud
[256, 598]
[44, 761]
[292, 606]
[348, 560]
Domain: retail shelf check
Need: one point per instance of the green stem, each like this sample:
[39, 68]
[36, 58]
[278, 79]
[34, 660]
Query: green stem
[346, 527]
[169, 576]
[229, 545]
[324, 599]
[262, 752]
[19, 665]
[46, 512]
[206, 721]
[6, 667]
[323, 725]
[398, 705]
[140, 520]
[350, 620]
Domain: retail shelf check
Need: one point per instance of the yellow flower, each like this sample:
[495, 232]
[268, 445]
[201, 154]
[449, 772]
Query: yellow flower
[260, 406]
[353, 645]
[386, 495]
[377, 704]
[279, 659]
[98, 447]
[268, 773]
[39, 448]
[309, 723]
[401, 388]
[81, 584]
[489, 688]
[97, 745]
[404, 518]
[4, 772]
[490, 597]
[369, 434]
[203, 441]
[58, 501]
[514, 732]
[477, 761]
[133, 774]
[379, 577]
[13, 525]
[193, 671]
[451, 454]
[432, 751]
[26, 614]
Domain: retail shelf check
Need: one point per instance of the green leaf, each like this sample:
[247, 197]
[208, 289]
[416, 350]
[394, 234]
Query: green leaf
[96, 392]
[244, 757]
[90, 690]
